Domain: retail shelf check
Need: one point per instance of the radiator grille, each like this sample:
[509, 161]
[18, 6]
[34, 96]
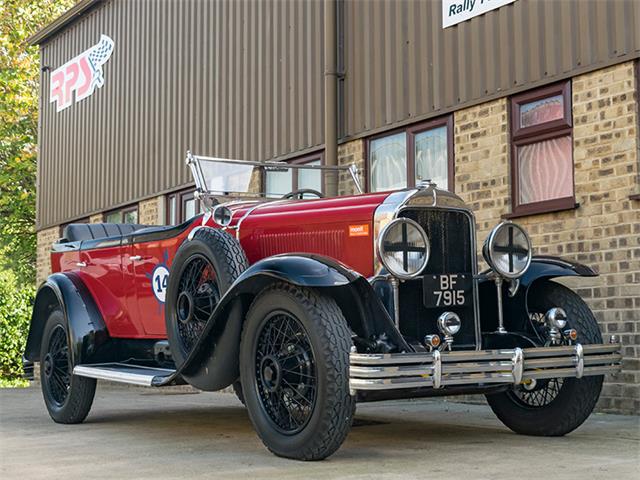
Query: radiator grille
[452, 251]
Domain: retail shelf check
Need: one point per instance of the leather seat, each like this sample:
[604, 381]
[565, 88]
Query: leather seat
[75, 232]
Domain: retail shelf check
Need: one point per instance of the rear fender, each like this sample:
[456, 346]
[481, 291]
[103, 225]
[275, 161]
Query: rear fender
[214, 362]
[516, 311]
[87, 331]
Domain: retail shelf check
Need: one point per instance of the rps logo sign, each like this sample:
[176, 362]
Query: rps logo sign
[80, 75]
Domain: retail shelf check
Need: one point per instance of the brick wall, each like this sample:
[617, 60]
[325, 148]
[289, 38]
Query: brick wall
[604, 232]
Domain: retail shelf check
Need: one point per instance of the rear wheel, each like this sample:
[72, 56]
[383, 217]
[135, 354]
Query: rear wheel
[294, 372]
[557, 406]
[68, 398]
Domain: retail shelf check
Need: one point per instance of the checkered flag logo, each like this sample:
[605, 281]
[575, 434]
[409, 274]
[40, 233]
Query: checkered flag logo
[98, 55]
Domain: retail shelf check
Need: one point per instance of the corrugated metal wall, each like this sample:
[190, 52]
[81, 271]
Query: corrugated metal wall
[235, 79]
[402, 66]
[244, 79]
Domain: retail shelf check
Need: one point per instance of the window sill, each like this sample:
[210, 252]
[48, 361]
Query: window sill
[540, 211]
[635, 196]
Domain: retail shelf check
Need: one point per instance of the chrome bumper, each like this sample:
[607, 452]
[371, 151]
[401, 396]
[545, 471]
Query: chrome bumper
[440, 369]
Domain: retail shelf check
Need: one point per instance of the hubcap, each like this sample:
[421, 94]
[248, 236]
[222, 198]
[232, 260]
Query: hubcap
[285, 372]
[185, 307]
[271, 373]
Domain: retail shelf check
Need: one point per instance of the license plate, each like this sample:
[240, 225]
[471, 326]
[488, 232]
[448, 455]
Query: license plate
[449, 290]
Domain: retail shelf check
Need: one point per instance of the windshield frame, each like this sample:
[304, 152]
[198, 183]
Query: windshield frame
[194, 162]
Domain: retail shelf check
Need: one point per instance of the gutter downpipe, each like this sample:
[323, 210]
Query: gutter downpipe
[330, 96]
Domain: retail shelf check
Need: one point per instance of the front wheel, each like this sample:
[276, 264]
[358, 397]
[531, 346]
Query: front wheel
[556, 406]
[294, 361]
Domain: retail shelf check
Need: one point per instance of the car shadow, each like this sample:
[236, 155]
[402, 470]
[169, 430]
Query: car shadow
[372, 432]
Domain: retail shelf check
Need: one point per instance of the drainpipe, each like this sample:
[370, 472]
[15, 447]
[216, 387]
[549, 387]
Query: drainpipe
[330, 96]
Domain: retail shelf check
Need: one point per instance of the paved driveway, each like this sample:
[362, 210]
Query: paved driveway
[142, 434]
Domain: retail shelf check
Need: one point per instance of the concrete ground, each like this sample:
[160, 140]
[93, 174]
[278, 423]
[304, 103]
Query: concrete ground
[144, 434]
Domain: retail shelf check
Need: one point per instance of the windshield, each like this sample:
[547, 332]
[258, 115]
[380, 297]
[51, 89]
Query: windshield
[219, 176]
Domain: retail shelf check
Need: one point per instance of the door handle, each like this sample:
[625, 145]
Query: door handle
[135, 258]
[81, 264]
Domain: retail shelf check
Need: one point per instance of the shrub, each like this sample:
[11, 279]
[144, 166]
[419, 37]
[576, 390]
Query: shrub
[15, 313]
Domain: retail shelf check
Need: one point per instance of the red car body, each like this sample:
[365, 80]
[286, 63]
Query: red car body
[340, 228]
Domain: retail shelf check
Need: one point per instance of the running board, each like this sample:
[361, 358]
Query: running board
[124, 373]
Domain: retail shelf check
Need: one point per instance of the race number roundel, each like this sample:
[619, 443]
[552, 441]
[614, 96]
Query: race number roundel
[159, 282]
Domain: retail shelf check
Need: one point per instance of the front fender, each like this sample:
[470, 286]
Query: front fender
[85, 326]
[213, 362]
[515, 308]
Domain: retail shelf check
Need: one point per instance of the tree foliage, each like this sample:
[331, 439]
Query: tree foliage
[15, 312]
[19, 87]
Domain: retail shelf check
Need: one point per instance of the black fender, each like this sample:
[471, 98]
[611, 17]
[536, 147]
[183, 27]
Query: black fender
[213, 363]
[516, 310]
[88, 335]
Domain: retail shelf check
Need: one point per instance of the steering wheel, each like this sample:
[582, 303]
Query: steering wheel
[299, 194]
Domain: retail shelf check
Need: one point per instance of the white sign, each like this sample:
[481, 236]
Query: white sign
[456, 11]
[80, 75]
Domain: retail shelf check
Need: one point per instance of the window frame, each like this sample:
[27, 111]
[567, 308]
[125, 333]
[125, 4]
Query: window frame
[308, 158]
[411, 132]
[522, 136]
[183, 195]
[122, 211]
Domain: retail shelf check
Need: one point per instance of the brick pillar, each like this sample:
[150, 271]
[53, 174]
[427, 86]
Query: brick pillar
[149, 211]
[97, 218]
[351, 153]
[45, 239]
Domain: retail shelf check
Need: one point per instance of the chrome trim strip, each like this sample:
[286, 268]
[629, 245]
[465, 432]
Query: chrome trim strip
[250, 211]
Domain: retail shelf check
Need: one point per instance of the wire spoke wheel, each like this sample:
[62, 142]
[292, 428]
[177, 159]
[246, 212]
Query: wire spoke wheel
[542, 394]
[538, 393]
[198, 295]
[57, 366]
[285, 372]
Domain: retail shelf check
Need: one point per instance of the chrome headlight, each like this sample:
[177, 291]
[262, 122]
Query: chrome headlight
[508, 250]
[403, 248]
[222, 215]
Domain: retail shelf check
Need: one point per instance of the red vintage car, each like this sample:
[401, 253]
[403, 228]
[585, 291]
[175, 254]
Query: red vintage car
[307, 305]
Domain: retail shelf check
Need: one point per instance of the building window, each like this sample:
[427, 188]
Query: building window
[421, 152]
[542, 150]
[279, 183]
[181, 206]
[123, 215]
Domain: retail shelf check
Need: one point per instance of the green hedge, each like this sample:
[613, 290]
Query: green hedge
[15, 313]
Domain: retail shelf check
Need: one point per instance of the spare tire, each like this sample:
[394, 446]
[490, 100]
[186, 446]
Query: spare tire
[202, 271]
